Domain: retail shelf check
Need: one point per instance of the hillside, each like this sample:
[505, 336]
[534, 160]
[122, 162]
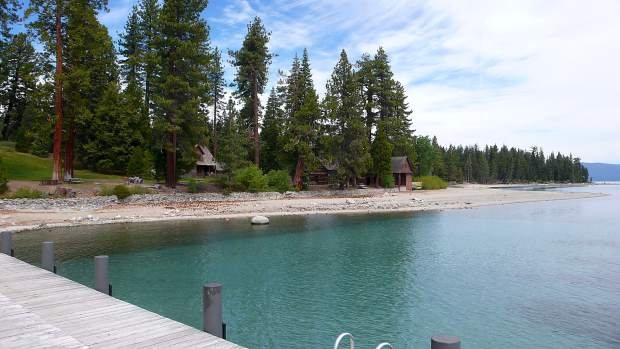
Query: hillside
[22, 166]
[603, 172]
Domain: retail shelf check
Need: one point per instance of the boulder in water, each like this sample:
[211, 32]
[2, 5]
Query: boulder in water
[260, 220]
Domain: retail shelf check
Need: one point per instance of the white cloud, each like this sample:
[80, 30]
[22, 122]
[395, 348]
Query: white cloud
[517, 72]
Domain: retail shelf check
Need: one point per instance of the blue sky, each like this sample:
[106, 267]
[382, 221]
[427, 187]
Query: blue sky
[521, 73]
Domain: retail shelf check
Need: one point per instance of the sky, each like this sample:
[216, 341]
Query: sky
[520, 73]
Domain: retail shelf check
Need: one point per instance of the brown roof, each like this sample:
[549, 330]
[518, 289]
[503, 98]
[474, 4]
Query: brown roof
[401, 164]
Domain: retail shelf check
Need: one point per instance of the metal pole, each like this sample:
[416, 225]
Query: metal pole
[102, 282]
[212, 308]
[47, 256]
[7, 243]
[445, 342]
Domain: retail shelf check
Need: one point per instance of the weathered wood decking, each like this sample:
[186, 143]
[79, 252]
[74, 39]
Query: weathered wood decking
[39, 309]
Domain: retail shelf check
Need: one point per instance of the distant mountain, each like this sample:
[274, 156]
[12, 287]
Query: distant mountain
[603, 172]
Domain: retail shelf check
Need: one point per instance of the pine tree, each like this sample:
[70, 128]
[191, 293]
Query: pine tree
[343, 107]
[272, 134]
[148, 13]
[233, 141]
[8, 16]
[22, 66]
[131, 44]
[90, 61]
[252, 61]
[381, 151]
[304, 113]
[184, 59]
[216, 92]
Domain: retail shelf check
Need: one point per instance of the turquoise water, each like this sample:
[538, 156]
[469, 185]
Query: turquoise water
[538, 275]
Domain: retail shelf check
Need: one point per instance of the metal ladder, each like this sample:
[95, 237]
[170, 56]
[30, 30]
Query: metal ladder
[342, 336]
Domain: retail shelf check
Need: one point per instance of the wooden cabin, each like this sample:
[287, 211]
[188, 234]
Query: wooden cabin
[324, 175]
[206, 164]
[402, 170]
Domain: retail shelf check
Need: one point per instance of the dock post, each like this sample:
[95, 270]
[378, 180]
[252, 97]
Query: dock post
[212, 309]
[445, 342]
[7, 243]
[47, 256]
[102, 282]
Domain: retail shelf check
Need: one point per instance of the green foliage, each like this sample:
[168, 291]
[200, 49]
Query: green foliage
[250, 179]
[425, 155]
[3, 179]
[132, 190]
[272, 134]
[348, 145]
[20, 69]
[387, 180]
[26, 193]
[121, 192]
[232, 142]
[431, 182]
[140, 164]
[278, 180]
[183, 58]
[381, 152]
[194, 186]
[251, 62]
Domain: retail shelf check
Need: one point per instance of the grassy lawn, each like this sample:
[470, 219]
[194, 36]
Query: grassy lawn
[22, 166]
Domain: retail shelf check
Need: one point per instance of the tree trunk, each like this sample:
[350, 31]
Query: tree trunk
[299, 170]
[57, 170]
[255, 112]
[171, 160]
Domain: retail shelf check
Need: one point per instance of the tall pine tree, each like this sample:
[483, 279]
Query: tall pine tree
[252, 62]
[183, 61]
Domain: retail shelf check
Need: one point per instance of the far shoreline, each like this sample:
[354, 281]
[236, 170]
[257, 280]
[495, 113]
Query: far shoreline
[375, 202]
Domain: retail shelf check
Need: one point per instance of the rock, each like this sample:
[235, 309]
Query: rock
[260, 220]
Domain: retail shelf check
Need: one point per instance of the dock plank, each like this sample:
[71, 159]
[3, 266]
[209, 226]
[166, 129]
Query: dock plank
[39, 309]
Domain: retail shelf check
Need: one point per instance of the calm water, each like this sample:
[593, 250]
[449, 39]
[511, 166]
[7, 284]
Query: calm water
[540, 275]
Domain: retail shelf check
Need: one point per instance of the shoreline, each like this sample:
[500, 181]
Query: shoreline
[188, 207]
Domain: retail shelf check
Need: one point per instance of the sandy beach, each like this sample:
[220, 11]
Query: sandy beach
[24, 215]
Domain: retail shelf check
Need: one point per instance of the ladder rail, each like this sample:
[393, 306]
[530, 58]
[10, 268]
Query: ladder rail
[343, 336]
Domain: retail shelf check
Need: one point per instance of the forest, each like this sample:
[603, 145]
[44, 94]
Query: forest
[139, 106]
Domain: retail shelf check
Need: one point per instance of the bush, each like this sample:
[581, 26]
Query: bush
[4, 186]
[431, 182]
[278, 180]
[250, 179]
[27, 193]
[194, 186]
[132, 190]
[121, 192]
[387, 181]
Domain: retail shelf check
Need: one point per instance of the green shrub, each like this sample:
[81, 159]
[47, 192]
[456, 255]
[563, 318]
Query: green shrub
[387, 181]
[278, 180]
[250, 179]
[27, 193]
[121, 192]
[431, 182]
[4, 182]
[194, 186]
[131, 190]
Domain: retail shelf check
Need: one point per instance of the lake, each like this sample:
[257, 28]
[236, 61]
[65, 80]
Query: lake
[536, 275]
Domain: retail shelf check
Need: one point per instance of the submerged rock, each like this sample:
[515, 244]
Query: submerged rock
[260, 220]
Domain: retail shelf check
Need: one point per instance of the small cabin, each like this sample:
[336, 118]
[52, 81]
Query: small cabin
[206, 164]
[402, 170]
[324, 175]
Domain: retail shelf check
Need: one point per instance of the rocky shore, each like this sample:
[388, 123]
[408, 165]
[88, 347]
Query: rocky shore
[24, 214]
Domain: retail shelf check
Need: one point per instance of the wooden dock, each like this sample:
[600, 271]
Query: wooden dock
[39, 309]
